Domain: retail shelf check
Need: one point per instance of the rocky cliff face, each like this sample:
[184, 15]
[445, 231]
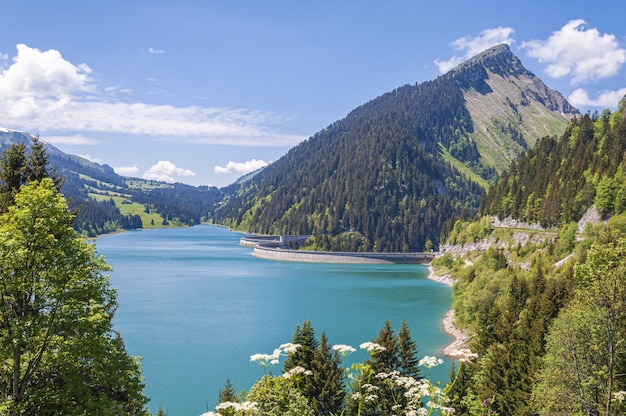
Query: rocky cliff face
[510, 107]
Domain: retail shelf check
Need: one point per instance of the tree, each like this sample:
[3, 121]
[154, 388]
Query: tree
[60, 353]
[19, 167]
[585, 351]
[228, 393]
[327, 380]
[12, 173]
[408, 353]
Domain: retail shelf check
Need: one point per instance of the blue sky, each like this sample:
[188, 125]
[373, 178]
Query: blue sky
[201, 92]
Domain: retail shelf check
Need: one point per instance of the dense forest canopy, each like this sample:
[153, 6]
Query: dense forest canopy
[393, 171]
[556, 181]
[546, 307]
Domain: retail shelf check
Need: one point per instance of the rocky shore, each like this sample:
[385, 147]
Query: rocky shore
[460, 337]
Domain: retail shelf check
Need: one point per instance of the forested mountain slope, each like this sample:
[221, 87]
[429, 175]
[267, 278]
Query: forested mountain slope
[556, 181]
[105, 201]
[387, 177]
[546, 308]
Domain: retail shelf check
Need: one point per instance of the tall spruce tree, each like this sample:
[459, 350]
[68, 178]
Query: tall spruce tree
[327, 383]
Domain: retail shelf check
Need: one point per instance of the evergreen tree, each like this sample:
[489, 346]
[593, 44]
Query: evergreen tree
[305, 337]
[228, 393]
[408, 353]
[327, 392]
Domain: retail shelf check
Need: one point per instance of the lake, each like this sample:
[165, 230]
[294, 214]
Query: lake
[196, 305]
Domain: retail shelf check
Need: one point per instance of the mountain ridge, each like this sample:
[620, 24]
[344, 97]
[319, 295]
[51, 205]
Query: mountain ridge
[388, 175]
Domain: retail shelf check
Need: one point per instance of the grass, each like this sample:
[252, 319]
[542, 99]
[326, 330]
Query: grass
[126, 207]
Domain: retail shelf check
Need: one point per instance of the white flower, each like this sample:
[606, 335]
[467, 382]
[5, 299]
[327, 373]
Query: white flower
[372, 347]
[297, 370]
[619, 395]
[290, 348]
[430, 362]
[344, 349]
[237, 407]
[266, 359]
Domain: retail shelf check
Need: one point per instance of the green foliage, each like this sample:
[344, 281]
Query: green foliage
[377, 173]
[558, 180]
[60, 352]
[277, 396]
[388, 382]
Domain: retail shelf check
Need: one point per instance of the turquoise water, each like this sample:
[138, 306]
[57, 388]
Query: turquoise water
[195, 305]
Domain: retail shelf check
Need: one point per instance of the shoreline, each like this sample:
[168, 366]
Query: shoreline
[448, 324]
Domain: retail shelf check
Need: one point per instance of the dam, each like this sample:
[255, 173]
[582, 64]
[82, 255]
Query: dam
[279, 248]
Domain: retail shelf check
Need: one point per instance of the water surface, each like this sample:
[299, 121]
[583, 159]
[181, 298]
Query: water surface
[195, 305]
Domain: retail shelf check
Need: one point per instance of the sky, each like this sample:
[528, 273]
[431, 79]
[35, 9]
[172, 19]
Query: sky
[202, 92]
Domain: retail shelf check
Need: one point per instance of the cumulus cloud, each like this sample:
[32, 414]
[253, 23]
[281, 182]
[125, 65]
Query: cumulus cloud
[36, 74]
[166, 171]
[126, 170]
[156, 51]
[580, 53]
[240, 167]
[606, 99]
[42, 91]
[471, 46]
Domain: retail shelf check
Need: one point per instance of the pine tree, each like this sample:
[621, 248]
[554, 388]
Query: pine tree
[326, 384]
[408, 353]
[228, 393]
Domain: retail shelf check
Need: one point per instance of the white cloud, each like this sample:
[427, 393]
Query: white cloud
[76, 140]
[166, 171]
[605, 99]
[42, 92]
[126, 170]
[241, 167]
[156, 51]
[584, 54]
[42, 74]
[472, 46]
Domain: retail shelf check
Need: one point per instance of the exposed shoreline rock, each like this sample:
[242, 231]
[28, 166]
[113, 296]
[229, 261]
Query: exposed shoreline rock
[460, 337]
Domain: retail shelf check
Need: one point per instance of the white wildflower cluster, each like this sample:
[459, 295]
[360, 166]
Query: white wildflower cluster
[430, 362]
[444, 410]
[274, 358]
[297, 371]
[344, 349]
[236, 407]
[372, 347]
[290, 348]
[266, 359]
[414, 389]
[464, 355]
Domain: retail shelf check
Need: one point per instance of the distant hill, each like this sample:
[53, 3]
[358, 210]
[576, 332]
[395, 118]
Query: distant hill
[388, 176]
[106, 202]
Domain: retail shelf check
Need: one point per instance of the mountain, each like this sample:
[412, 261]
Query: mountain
[390, 174]
[105, 201]
[559, 180]
[509, 106]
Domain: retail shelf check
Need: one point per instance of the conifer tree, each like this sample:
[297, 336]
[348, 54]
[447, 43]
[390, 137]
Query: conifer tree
[408, 353]
[327, 384]
[228, 393]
